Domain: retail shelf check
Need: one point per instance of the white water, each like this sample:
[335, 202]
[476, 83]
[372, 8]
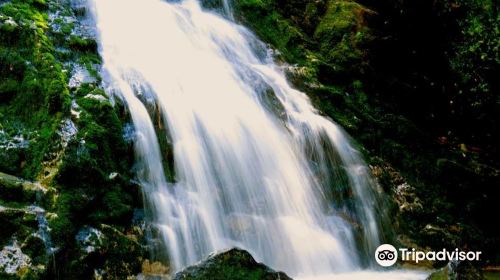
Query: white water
[253, 169]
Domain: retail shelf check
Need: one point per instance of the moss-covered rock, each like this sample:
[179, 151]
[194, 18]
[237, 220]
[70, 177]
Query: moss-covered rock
[66, 135]
[108, 250]
[272, 27]
[17, 223]
[34, 92]
[14, 264]
[16, 189]
[341, 33]
[24, 252]
[234, 264]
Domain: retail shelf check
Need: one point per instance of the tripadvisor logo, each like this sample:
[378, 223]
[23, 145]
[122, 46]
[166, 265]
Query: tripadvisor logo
[387, 255]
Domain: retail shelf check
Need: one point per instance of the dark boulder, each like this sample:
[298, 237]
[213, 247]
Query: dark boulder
[235, 264]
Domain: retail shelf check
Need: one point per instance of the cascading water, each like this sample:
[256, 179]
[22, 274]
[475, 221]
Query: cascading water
[255, 165]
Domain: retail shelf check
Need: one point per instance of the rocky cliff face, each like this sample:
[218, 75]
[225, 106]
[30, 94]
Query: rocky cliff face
[66, 197]
[398, 76]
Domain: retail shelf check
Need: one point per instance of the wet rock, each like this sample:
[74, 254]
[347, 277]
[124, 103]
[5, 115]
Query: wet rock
[232, 264]
[457, 270]
[88, 239]
[25, 240]
[97, 97]
[13, 260]
[10, 142]
[8, 24]
[437, 235]
[403, 194]
[80, 75]
[113, 175]
[67, 132]
[35, 247]
[407, 199]
[110, 253]
[212, 4]
[18, 223]
[17, 189]
[154, 270]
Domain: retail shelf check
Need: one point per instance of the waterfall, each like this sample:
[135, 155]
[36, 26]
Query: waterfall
[255, 164]
[228, 8]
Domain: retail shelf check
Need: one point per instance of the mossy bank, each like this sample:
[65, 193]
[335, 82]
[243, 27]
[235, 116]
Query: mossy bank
[67, 199]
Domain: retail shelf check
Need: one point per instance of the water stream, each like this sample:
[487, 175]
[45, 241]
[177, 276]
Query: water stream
[256, 166]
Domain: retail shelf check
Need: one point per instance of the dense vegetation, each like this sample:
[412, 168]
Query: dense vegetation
[414, 82]
[68, 136]
[33, 90]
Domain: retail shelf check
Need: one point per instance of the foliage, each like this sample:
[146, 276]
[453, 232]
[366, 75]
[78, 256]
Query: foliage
[33, 92]
[475, 60]
[339, 33]
[272, 27]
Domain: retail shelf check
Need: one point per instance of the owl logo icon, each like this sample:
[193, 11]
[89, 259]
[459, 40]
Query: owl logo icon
[386, 255]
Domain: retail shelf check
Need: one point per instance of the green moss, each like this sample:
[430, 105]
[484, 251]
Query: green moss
[475, 56]
[116, 206]
[15, 189]
[18, 224]
[273, 28]
[341, 33]
[122, 254]
[82, 44]
[89, 60]
[6, 276]
[339, 20]
[8, 89]
[441, 274]
[97, 151]
[31, 275]
[36, 249]
[65, 28]
[34, 99]
[33, 87]
[62, 225]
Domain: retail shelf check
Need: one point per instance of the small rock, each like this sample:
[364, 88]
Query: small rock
[89, 239]
[97, 97]
[154, 269]
[113, 175]
[9, 25]
[407, 199]
[79, 76]
[12, 259]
